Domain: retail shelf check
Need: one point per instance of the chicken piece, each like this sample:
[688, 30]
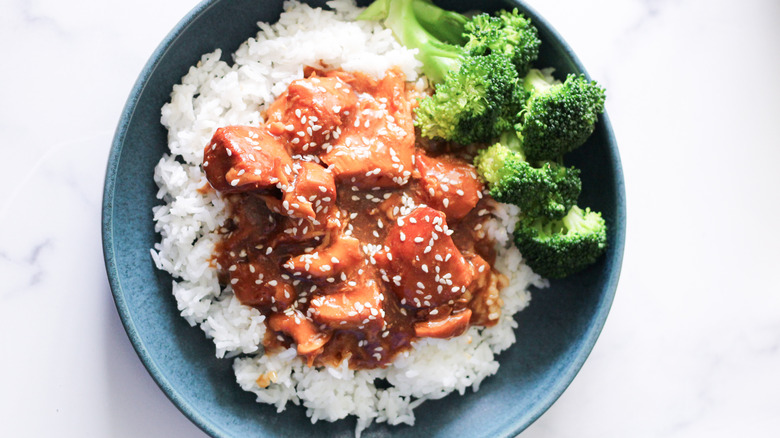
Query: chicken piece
[355, 307]
[257, 283]
[244, 158]
[307, 336]
[307, 204]
[376, 147]
[448, 184]
[424, 266]
[451, 325]
[312, 190]
[326, 264]
[390, 89]
[311, 112]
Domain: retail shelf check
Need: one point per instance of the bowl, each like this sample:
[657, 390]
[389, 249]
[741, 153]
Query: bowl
[555, 333]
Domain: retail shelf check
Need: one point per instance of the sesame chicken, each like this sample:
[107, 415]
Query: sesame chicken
[309, 117]
[348, 236]
[429, 268]
[448, 184]
[242, 158]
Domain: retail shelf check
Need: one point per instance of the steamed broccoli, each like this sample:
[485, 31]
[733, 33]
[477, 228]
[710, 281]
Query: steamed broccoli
[507, 33]
[547, 190]
[486, 89]
[474, 104]
[558, 117]
[479, 93]
[561, 247]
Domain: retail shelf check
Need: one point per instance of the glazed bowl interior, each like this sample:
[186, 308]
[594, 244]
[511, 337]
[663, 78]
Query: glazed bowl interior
[555, 333]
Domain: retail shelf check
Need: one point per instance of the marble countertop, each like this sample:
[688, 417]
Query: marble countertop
[692, 344]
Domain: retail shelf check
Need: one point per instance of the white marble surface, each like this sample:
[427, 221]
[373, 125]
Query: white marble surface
[691, 347]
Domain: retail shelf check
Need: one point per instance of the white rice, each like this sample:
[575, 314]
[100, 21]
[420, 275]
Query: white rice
[215, 94]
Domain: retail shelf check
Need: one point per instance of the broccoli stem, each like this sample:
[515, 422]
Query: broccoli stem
[442, 24]
[436, 33]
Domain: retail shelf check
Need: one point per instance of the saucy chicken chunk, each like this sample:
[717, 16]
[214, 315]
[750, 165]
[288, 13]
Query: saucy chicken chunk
[243, 158]
[311, 112]
[311, 191]
[449, 184]
[378, 149]
[425, 267]
[355, 307]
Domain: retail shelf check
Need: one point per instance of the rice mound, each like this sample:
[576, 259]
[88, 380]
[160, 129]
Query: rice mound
[214, 94]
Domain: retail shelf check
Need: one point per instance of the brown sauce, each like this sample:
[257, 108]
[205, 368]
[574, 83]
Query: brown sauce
[351, 238]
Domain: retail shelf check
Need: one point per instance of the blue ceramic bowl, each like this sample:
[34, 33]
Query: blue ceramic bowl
[555, 334]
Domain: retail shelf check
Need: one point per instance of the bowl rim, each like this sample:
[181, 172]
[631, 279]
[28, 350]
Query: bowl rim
[567, 376]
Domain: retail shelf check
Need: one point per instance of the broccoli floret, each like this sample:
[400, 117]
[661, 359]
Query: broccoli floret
[475, 103]
[561, 247]
[548, 190]
[558, 117]
[508, 33]
[497, 162]
[435, 32]
[479, 93]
